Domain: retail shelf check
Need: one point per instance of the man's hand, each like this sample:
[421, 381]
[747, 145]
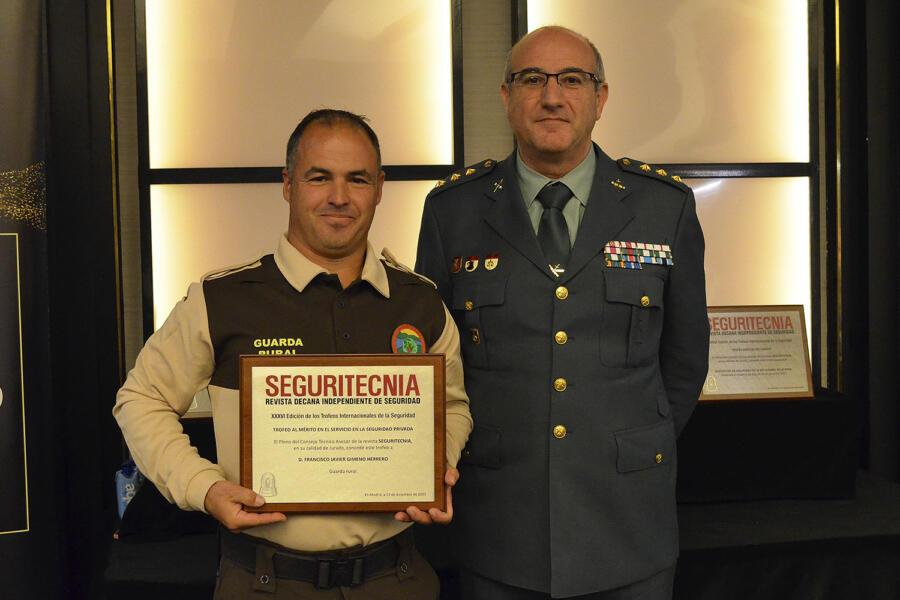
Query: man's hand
[451, 476]
[225, 501]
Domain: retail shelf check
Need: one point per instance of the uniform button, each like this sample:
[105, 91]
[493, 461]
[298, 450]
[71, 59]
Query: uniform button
[561, 337]
[645, 301]
[404, 568]
[341, 304]
[476, 336]
[560, 385]
[346, 335]
[469, 305]
[264, 579]
[562, 292]
[658, 458]
[559, 432]
[467, 453]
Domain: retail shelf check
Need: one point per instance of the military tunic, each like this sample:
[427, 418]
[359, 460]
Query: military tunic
[580, 383]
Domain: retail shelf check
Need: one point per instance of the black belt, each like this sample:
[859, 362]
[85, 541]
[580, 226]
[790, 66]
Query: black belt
[325, 570]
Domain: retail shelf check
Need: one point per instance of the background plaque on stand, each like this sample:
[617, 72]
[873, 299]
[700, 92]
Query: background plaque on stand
[757, 352]
[343, 432]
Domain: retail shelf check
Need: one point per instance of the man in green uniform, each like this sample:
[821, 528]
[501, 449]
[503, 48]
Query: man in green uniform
[577, 283]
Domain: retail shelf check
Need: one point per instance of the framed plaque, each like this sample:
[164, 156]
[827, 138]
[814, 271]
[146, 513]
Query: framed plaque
[757, 352]
[343, 432]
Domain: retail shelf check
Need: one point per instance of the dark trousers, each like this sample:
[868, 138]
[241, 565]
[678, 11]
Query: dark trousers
[412, 579]
[656, 587]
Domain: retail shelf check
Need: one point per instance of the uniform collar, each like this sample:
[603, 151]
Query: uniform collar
[299, 270]
[579, 180]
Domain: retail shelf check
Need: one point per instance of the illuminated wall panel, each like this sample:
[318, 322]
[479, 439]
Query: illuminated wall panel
[757, 240]
[198, 228]
[697, 80]
[229, 80]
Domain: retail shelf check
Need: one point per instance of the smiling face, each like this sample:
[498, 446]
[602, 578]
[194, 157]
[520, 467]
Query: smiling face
[335, 186]
[553, 125]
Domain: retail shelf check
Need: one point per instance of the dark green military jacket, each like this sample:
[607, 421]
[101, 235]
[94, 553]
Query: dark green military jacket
[579, 384]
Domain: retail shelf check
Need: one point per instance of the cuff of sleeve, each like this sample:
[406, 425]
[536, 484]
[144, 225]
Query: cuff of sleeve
[199, 486]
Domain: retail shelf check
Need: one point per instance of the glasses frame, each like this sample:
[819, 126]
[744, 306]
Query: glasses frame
[512, 77]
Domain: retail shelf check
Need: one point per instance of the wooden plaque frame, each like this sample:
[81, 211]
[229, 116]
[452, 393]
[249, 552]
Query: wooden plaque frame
[436, 361]
[778, 395]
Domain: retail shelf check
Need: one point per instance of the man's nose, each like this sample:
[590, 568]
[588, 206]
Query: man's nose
[552, 92]
[340, 194]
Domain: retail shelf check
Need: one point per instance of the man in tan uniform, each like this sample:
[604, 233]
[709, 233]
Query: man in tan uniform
[324, 290]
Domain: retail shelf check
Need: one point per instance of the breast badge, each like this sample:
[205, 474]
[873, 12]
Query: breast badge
[471, 263]
[491, 261]
[407, 340]
[456, 265]
[631, 255]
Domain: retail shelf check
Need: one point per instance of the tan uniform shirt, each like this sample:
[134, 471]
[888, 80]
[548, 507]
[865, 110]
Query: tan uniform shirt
[180, 359]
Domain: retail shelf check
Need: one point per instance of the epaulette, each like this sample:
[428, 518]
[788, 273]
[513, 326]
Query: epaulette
[470, 173]
[391, 260]
[232, 269]
[642, 168]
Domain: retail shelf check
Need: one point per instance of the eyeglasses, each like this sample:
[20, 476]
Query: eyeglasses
[573, 79]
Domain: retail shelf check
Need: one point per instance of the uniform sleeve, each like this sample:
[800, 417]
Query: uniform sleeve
[175, 363]
[459, 419]
[430, 260]
[684, 346]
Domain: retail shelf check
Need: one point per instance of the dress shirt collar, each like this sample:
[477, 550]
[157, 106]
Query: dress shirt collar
[299, 270]
[579, 180]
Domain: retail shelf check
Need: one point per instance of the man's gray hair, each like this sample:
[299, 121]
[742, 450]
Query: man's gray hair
[598, 62]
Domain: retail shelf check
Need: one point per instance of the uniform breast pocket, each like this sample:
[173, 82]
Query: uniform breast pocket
[471, 300]
[632, 317]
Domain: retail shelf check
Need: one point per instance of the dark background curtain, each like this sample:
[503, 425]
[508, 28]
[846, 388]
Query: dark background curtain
[56, 195]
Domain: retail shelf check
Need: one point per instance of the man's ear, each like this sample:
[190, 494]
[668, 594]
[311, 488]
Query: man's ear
[380, 186]
[602, 97]
[286, 185]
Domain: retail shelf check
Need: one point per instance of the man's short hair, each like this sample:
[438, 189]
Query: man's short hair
[329, 117]
[598, 62]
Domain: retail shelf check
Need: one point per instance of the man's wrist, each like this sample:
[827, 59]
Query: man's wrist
[199, 486]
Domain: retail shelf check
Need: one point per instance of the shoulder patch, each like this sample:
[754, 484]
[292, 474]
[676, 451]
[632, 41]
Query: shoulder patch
[641, 168]
[470, 173]
[391, 261]
[218, 273]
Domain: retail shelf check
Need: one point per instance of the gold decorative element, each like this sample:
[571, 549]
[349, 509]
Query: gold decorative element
[625, 161]
[561, 337]
[661, 172]
[645, 167]
[498, 185]
[470, 171]
[618, 183]
[454, 177]
[677, 178]
[23, 196]
[562, 293]
[440, 183]
[560, 384]
[645, 301]
[469, 305]
[559, 432]
[488, 163]
[658, 458]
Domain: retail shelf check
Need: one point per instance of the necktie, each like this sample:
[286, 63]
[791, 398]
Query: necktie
[553, 234]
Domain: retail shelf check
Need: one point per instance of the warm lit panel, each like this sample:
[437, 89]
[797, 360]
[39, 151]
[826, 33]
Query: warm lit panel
[199, 228]
[697, 80]
[757, 240]
[229, 80]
